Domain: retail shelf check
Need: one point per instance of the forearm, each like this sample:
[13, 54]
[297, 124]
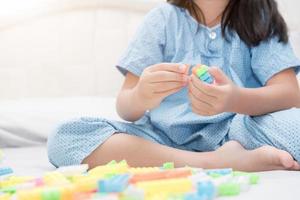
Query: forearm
[130, 106]
[266, 99]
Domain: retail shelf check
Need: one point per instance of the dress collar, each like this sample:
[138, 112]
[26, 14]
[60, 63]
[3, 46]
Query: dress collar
[195, 25]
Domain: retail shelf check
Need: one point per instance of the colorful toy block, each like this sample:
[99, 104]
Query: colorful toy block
[169, 174]
[168, 165]
[118, 181]
[5, 171]
[133, 193]
[111, 169]
[221, 172]
[169, 186]
[201, 71]
[115, 184]
[194, 196]
[229, 189]
[50, 194]
[253, 178]
[4, 197]
[206, 189]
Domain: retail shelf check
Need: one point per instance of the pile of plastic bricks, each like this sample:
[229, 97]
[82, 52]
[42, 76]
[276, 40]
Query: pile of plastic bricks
[119, 181]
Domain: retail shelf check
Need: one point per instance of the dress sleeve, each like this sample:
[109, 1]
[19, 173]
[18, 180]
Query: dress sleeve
[272, 57]
[147, 46]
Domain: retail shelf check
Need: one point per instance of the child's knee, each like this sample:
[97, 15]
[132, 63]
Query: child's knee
[279, 129]
[284, 132]
[73, 141]
[57, 145]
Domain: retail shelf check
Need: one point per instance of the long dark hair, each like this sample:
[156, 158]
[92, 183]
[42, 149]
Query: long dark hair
[253, 20]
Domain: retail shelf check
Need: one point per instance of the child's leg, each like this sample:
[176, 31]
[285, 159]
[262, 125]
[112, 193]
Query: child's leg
[140, 152]
[279, 129]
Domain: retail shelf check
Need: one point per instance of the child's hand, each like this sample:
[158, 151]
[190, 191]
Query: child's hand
[159, 81]
[211, 99]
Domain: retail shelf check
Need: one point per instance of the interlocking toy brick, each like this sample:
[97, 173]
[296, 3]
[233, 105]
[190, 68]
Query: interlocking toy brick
[5, 171]
[118, 181]
[115, 184]
[201, 71]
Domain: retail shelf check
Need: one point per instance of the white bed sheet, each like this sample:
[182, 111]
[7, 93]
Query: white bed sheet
[277, 185]
[38, 118]
[32, 161]
[27, 122]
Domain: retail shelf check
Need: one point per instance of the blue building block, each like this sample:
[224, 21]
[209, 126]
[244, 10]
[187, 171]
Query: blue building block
[194, 196]
[115, 184]
[201, 71]
[222, 172]
[206, 189]
[5, 171]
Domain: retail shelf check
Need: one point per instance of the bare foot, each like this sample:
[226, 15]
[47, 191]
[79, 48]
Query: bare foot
[265, 158]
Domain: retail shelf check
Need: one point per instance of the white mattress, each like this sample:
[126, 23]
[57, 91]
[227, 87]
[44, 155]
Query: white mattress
[38, 118]
[276, 185]
[32, 161]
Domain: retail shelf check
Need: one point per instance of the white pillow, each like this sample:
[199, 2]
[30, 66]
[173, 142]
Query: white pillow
[29, 121]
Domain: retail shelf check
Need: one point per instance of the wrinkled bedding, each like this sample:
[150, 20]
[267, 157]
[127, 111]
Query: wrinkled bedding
[276, 185]
[24, 123]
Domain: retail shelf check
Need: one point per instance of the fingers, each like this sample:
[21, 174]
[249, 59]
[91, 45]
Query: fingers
[198, 103]
[167, 86]
[201, 105]
[168, 92]
[171, 67]
[166, 76]
[208, 89]
[198, 94]
[201, 111]
[218, 75]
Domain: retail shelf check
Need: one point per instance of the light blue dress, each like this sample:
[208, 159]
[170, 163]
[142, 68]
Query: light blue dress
[170, 34]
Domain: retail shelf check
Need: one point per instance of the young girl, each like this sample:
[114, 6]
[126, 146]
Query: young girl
[245, 120]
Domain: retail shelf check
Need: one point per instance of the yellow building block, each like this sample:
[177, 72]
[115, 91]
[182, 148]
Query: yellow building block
[30, 194]
[67, 192]
[5, 197]
[101, 171]
[15, 180]
[174, 186]
[55, 178]
[87, 184]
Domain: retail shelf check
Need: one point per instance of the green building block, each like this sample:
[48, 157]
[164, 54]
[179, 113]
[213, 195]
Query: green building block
[229, 189]
[50, 194]
[113, 162]
[123, 162]
[168, 165]
[253, 178]
[201, 71]
[9, 190]
[215, 175]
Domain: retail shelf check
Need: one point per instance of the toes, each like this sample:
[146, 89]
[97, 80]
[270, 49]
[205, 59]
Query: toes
[286, 160]
[296, 166]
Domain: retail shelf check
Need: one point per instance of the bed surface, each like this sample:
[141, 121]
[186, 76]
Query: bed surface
[277, 185]
[38, 118]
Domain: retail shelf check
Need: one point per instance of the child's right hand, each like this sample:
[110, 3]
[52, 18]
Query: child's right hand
[159, 81]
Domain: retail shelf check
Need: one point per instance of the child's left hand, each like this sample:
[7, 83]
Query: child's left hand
[212, 99]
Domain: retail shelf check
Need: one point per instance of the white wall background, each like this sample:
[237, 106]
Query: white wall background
[70, 47]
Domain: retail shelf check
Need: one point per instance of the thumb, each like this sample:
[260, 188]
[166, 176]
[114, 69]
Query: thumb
[219, 76]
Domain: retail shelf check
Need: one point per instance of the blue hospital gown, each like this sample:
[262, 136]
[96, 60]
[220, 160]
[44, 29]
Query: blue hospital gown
[171, 34]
